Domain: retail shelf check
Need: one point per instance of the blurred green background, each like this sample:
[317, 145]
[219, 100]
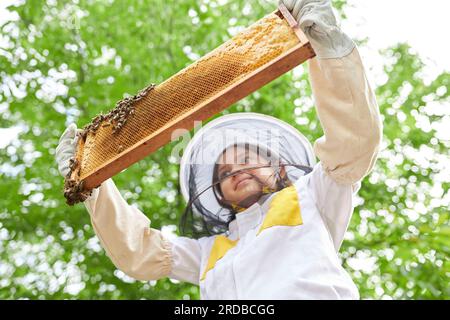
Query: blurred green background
[67, 61]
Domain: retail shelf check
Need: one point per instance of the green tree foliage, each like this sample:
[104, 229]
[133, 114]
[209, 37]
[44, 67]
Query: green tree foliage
[65, 61]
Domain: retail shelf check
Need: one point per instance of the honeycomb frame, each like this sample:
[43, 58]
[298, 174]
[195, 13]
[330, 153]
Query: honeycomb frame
[107, 146]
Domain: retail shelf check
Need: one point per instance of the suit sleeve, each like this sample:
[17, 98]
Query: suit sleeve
[349, 115]
[140, 251]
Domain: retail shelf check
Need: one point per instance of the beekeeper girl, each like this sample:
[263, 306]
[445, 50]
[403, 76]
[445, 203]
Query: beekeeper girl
[266, 220]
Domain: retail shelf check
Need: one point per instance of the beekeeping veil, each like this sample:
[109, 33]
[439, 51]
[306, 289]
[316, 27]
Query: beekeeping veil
[285, 144]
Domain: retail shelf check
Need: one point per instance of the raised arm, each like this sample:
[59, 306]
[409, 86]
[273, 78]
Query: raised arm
[140, 251]
[345, 102]
[133, 246]
[347, 110]
[125, 233]
[349, 116]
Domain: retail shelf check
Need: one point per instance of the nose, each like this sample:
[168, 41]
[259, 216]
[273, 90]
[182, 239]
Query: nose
[240, 174]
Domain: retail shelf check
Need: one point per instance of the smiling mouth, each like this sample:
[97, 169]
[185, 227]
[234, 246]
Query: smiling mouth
[239, 183]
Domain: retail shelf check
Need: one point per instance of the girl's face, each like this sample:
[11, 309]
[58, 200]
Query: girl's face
[240, 188]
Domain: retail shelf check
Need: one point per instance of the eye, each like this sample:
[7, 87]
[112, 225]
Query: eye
[224, 174]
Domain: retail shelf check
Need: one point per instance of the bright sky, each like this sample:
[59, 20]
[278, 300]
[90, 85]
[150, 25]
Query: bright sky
[423, 24]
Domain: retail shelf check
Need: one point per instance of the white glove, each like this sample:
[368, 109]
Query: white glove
[66, 148]
[317, 21]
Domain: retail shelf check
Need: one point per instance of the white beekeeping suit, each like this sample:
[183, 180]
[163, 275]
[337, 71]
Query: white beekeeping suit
[285, 245]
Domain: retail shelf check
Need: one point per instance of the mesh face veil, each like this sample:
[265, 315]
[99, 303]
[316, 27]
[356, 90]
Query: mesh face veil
[284, 152]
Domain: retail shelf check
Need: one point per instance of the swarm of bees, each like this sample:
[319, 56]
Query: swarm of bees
[74, 191]
[118, 116]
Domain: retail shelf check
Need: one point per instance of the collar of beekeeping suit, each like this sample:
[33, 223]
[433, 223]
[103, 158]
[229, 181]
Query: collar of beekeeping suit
[202, 152]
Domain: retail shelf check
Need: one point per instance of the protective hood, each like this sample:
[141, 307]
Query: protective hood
[202, 152]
